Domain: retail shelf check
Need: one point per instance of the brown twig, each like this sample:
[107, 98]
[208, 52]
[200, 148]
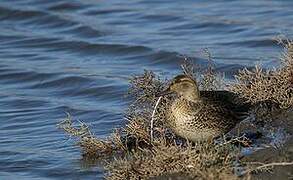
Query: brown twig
[268, 165]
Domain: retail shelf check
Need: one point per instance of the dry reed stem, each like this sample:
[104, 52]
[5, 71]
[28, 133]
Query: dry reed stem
[153, 116]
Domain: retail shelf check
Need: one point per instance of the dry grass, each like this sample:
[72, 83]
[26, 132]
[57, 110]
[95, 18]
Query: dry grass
[165, 153]
[207, 77]
[211, 80]
[90, 145]
[201, 161]
[274, 86]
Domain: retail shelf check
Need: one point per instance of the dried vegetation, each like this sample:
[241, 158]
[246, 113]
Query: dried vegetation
[142, 157]
[274, 86]
[201, 161]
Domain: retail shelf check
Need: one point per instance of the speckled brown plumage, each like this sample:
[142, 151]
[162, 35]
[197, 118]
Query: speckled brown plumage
[203, 115]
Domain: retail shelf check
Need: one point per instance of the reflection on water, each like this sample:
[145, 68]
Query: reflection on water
[76, 56]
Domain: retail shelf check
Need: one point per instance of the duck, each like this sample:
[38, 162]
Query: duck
[201, 115]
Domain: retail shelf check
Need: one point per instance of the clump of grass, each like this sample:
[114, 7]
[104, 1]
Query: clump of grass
[202, 160]
[90, 145]
[274, 86]
[136, 133]
[144, 89]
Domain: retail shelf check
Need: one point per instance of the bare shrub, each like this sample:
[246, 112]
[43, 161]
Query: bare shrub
[202, 161]
[90, 145]
[274, 86]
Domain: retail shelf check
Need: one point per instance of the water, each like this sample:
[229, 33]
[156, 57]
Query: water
[60, 56]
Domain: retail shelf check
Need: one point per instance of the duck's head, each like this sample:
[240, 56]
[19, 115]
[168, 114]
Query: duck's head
[184, 86]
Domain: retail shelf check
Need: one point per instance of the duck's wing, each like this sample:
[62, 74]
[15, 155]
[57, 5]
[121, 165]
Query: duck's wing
[215, 115]
[227, 99]
[226, 107]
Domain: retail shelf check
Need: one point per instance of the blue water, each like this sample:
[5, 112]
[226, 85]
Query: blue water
[60, 56]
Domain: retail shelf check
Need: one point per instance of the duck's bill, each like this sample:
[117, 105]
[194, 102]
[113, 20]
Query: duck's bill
[164, 92]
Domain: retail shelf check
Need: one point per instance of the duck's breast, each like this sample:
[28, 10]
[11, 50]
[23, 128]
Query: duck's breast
[185, 123]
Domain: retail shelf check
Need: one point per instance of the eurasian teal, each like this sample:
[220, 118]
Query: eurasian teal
[202, 115]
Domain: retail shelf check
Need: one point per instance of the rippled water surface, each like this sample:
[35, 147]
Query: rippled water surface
[60, 56]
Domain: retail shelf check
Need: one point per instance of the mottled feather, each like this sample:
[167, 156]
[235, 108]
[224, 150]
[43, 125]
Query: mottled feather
[202, 115]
